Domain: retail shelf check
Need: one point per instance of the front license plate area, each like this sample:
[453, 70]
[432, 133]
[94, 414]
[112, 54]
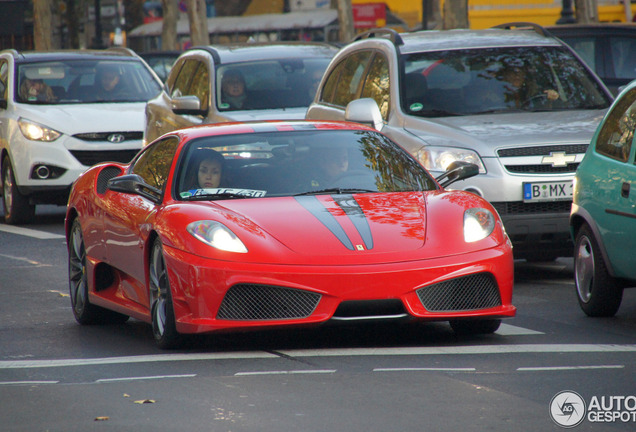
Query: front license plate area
[547, 191]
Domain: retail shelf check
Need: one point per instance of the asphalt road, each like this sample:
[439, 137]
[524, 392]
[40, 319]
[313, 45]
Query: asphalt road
[58, 376]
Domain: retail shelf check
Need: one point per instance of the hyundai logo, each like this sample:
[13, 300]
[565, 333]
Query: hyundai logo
[116, 138]
[558, 159]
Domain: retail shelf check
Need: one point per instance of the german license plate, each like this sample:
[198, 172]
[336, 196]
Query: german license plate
[547, 191]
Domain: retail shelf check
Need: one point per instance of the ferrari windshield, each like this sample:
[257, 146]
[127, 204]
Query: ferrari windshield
[481, 81]
[300, 162]
[85, 81]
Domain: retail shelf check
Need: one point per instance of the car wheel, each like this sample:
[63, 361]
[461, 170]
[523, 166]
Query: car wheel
[163, 323]
[475, 326]
[598, 293]
[17, 209]
[84, 311]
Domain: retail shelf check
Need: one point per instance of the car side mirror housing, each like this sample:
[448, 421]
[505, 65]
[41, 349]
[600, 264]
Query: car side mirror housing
[134, 184]
[187, 105]
[365, 111]
[456, 171]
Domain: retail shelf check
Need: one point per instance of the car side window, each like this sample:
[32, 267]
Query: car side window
[200, 86]
[623, 59]
[615, 138]
[182, 83]
[376, 85]
[343, 83]
[153, 165]
[4, 79]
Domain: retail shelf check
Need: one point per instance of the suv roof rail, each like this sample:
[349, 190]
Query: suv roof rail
[388, 33]
[523, 24]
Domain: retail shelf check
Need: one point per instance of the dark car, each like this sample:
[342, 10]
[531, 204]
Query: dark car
[161, 61]
[607, 48]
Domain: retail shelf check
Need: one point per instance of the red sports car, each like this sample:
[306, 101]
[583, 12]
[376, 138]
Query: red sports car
[255, 225]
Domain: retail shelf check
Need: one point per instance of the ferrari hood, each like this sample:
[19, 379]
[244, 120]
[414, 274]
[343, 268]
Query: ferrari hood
[339, 225]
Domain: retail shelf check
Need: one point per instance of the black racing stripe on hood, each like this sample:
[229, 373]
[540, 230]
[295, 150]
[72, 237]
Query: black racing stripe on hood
[352, 209]
[315, 207]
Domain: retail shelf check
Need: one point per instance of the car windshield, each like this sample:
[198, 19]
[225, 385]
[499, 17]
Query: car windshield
[467, 82]
[300, 162]
[268, 84]
[84, 81]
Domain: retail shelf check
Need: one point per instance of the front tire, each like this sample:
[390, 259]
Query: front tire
[163, 322]
[84, 311]
[17, 209]
[598, 293]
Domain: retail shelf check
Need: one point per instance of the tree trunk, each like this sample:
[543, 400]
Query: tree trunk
[169, 26]
[198, 22]
[455, 14]
[42, 32]
[345, 20]
[586, 11]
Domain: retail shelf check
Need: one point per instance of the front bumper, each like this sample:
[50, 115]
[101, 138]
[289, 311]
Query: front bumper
[200, 286]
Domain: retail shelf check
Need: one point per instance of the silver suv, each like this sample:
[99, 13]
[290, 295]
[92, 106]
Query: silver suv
[517, 102]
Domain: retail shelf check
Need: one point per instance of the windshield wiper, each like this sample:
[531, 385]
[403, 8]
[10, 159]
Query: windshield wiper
[334, 191]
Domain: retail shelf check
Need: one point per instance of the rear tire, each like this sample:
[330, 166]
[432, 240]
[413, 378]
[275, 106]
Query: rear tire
[17, 209]
[475, 326]
[163, 322]
[598, 293]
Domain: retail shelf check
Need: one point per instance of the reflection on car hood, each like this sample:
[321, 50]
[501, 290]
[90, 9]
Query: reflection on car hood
[485, 133]
[83, 118]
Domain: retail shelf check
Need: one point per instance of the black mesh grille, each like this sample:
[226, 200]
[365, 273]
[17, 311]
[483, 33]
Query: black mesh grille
[542, 150]
[89, 158]
[542, 169]
[103, 177]
[264, 302]
[478, 291]
[520, 207]
[103, 136]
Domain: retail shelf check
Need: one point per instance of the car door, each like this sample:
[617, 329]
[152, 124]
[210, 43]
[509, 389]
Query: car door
[127, 218]
[613, 185]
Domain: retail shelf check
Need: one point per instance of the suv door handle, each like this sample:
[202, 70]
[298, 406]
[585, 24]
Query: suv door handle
[625, 190]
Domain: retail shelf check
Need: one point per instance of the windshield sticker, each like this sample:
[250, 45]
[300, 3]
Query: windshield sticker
[252, 193]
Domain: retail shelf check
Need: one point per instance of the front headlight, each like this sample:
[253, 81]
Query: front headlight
[439, 158]
[216, 235]
[478, 224]
[37, 132]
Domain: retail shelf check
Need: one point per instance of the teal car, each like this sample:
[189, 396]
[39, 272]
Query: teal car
[603, 215]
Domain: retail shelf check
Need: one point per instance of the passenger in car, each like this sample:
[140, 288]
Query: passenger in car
[108, 85]
[36, 90]
[209, 169]
[233, 92]
[521, 92]
[330, 164]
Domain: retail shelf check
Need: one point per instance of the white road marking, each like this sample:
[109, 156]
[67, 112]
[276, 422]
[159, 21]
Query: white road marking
[510, 330]
[28, 232]
[287, 372]
[424, 370]
[104, 380]
[348, 352]
[27, 382]
[563, 368]
[26, 260]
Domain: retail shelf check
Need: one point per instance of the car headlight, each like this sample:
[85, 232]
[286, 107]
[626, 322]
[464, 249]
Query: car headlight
[439, 158]
[478, 224]
[37, 132]
[216, 235]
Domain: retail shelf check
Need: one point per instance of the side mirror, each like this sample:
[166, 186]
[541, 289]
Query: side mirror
[365, 111]
[187, 105]
[458, 170]
[133, 184]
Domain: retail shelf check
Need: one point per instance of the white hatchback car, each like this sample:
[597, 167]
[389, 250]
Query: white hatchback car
[61, 112]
